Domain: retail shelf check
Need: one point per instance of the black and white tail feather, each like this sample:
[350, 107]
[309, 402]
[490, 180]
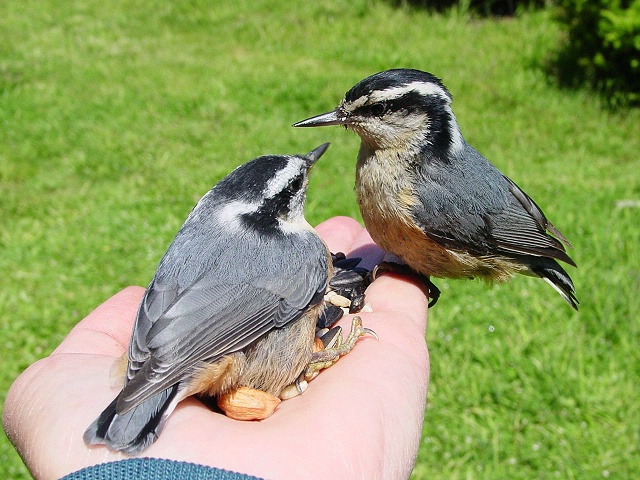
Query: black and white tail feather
[134, 430]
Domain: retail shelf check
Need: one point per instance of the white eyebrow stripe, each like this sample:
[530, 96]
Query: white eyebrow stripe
[422, 88]
[282, 178]
[358, 102]
[457, 141]
[230, 214]
[233, 209]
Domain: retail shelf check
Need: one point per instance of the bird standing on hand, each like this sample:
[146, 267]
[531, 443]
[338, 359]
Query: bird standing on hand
[430, 198]
[233, 303]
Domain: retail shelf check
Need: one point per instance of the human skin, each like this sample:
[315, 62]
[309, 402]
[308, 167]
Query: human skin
[361, 418]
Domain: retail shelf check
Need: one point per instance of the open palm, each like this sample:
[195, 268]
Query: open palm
[361, 418]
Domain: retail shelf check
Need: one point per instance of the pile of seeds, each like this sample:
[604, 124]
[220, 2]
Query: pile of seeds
[345, 293]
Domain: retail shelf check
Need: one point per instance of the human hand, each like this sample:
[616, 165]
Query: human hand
[361, 418]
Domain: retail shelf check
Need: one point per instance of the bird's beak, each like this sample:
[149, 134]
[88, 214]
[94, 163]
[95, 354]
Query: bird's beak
[313, 156]
[334, 117]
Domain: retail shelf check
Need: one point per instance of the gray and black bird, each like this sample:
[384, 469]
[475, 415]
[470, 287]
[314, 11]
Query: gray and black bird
[430, 198]
[233, 303]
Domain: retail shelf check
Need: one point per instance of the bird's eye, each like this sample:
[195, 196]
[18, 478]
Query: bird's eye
[378, 109]
[296, 184]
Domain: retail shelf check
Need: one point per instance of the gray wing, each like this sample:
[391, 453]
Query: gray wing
[523, 228]
[471, 206]
[218, 304]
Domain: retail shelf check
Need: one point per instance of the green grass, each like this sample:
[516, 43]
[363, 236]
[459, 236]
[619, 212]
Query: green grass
[116, 117]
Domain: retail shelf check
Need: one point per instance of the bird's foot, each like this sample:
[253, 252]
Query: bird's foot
[246, 403]
[333, 347]
[434, 292]
[402, 269]
[345, 293]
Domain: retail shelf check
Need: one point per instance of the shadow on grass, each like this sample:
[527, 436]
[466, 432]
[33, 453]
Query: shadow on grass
[484, 8]
[571, 69]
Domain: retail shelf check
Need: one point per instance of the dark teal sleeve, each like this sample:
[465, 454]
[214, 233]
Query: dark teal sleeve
[154, 469]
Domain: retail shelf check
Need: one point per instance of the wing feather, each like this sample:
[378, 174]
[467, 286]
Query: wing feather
[473, 207]
[220, 304]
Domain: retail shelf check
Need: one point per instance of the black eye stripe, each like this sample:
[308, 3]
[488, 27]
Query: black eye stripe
[378, 109]
[411, 101]
[296, 183]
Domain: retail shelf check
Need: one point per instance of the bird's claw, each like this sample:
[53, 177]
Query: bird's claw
[335, 346]
[434, 292]
[401, 269]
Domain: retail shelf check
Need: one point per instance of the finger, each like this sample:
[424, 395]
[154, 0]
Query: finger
[400, 297]
[364, 247]
[339, 233]
[107, 329]
[344, 234]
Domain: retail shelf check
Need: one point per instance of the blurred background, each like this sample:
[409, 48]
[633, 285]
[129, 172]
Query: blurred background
[117, 116]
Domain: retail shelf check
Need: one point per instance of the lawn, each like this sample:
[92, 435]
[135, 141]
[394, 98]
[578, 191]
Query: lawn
[115, 117]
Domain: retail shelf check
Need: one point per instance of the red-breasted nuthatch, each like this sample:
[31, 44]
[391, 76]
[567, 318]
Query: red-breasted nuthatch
[430, 198]
[233, 303]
